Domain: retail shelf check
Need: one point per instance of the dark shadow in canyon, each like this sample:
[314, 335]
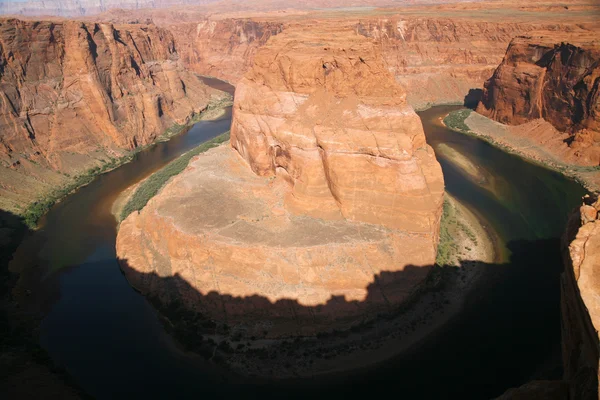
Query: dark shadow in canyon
[26, 370]
[473, 98]
[506, 333]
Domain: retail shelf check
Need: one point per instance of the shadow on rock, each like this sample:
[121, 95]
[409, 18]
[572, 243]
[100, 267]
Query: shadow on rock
[26, 370]
[501, 328]
[472, 98]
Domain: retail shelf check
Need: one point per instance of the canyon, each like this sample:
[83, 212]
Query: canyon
[322, 214]
[329, 198]
[76, 96]
[438, 53]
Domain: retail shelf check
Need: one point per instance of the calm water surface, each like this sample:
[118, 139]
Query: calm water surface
[110, 340]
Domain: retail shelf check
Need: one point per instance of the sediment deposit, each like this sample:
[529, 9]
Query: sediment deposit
[74, 95]
[325, 211]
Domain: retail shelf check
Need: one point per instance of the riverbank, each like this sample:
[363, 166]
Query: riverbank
[467, 248]
[505, 138]
[137, 196]
[26, 369]
[33, 212]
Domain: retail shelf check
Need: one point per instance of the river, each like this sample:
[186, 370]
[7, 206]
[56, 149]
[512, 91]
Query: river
[111, 341]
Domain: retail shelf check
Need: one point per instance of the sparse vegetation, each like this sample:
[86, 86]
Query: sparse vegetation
[151, 186]
[456, 120]
[35, 210]
[446, 246]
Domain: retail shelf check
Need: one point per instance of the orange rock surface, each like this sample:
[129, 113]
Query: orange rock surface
[326, 211]
[580, 293]
[74, 93]
[555, 77]
[437, 52]
[321, 110]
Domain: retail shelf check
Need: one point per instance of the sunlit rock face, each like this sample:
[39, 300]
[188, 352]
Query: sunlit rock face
[74, 93]
[321, 111]
[553, 76]
[580, 302]
[323, 213]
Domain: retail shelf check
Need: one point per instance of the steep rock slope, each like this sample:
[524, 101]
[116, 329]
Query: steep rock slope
[73, 93]
[439, 60]
[222, 48]
[438, 52]
[580, 290]
[555, 77]
[325, 115]
[325, 212]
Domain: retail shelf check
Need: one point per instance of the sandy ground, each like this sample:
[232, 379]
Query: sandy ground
[514, 139]
[428, 309]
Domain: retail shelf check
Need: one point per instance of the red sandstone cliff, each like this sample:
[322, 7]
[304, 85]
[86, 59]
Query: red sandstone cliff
[554, 77]
[438, 53]
[580, 294]
[222, 48]
[324, 213]
[73, 93]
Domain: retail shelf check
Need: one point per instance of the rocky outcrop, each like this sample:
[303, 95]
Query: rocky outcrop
[329, 119]
[554, 77]
[580, 294]
[73, 94]
[323, 214]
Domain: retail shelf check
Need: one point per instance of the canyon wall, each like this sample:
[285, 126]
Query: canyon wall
[324, 212]
[580, 289]
[222, 48]
[439, 60]
[73, 95]
[554, 77]
[440, 53]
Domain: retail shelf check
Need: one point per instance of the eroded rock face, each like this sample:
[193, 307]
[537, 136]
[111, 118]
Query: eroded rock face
[72, 93]
[222, 48]
[322, 111]
[324, 213]
[580, 302]
[554, 77]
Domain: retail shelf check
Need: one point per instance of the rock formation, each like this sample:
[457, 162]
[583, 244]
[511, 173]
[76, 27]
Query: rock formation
[323, 214]
[580, 302]
[438, 53]
[554, 77]
[73, 93]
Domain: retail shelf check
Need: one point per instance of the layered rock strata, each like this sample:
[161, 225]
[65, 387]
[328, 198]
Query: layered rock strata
[552, 77]
[73, 94]
[222, 48]
[324, 213]
[580, 302]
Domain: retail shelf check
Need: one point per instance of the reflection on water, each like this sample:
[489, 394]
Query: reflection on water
[110, 340]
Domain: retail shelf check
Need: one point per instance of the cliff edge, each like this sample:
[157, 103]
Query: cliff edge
[554, 77]
[580, 292]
